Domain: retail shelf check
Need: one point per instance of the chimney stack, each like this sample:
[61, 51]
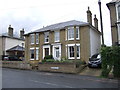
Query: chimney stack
[96, 22]
[10, 31]
[89, 16]
[22, 33]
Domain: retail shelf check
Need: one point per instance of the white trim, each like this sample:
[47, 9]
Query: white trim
[46, 46]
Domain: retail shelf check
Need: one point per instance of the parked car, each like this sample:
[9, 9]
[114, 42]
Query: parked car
[95, 61]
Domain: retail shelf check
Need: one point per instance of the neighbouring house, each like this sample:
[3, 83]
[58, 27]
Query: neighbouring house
[11, 44]
[73, 40]
[114, 7]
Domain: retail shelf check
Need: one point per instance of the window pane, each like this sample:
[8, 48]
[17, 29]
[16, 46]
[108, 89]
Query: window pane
[71, 51]
[118, 12]
[32, 54]
[37, 38]
[78, 51]
[46, 51]
[77, 33]
[37, 54]
[32, 38]
[46, 36]
[57, 36]
[70, 33]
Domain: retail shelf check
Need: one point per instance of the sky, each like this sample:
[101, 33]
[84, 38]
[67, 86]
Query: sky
[34, 14]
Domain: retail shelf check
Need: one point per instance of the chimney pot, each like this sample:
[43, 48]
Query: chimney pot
[22, 33]
[89, 16]
[10, 31]
[95, 22]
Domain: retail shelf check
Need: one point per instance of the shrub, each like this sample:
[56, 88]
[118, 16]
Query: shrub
[48, 57]
[110, 58]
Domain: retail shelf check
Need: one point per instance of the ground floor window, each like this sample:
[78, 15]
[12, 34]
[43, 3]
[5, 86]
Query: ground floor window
[32, 54]
[71, 51]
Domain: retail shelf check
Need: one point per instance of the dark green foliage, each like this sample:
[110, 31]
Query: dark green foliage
[110, 58]
[48, 57]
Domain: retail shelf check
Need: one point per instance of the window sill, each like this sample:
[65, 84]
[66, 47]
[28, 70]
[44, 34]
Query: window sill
[70, 39]
[46, 42]
[71, 58]
[31, 59]
[57, 41]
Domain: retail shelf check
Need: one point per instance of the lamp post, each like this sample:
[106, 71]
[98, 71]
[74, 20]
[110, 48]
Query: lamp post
[99, 2]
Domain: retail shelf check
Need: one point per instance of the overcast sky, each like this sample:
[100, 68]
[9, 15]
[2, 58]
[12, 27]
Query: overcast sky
[34, 14]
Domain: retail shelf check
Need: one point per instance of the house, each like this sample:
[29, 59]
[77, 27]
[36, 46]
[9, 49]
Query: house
[73, 40]
[114, 7]
[10, 44]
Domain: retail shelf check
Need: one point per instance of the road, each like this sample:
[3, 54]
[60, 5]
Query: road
[14, 78]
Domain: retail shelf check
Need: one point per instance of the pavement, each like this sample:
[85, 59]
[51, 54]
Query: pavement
[91, 72]
[14, 78]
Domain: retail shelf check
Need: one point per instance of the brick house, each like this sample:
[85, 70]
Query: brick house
[73, 40]
[114, 7]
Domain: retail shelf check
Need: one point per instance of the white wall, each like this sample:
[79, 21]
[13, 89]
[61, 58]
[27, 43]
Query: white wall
[95, 42]
[10, 42]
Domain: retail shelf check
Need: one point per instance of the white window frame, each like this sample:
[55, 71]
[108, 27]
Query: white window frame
[32, 37]
[69, 45]
[57, 36]
[119, 33]
[30, 53]
[46, 37]
[46, 46]
[77, 29]
[37, 38]
[37, 55]
[79, 50]
[70, 34]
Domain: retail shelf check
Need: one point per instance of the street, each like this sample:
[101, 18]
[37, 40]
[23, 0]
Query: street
[14, 78]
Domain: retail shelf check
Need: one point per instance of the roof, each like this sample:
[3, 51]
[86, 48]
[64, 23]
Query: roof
[16, 48]
[14, 36]
[113, 2]
[61, 25]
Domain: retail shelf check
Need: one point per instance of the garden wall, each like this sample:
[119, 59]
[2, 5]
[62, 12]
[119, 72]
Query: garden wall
[60, 67]
[16, 64]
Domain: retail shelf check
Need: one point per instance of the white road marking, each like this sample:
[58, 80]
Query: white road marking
[51, 84]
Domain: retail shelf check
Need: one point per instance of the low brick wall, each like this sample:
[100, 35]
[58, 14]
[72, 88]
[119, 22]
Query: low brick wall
[16, 64]
[60, 67]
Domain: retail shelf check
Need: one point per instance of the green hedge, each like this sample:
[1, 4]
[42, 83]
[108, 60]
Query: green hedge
[110, 58]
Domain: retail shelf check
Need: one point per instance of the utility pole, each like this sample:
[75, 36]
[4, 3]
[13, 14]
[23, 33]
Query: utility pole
[99, 2]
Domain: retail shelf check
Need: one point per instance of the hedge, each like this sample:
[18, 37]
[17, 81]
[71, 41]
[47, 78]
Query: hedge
[110, 58]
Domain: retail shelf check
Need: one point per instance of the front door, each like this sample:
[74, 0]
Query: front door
[57, 53]
[46, 51]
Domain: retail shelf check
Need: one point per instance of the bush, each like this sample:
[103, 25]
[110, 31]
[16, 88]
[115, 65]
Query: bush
[110, 58]
[48, 57]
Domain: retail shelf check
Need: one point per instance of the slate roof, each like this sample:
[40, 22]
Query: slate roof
[61, 25]
[16, 48]
[14, 36]
[113, 1]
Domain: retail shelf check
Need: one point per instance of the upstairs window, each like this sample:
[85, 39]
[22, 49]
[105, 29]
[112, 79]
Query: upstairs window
[37, 38]
[71, 33]
[32, 38]
[46, 37]
[57, 36]
[77, 32]
[119, 12]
